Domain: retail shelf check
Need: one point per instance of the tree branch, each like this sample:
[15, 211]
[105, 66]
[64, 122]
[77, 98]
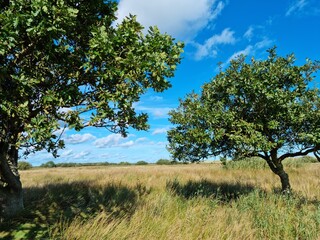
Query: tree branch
[300, 153]
[316, 155]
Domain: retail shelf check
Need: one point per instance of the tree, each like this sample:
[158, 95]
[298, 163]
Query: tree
[265, 108]
[60, 59]
[23, 165]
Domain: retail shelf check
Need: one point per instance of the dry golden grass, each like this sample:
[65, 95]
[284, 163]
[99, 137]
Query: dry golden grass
[194, 201]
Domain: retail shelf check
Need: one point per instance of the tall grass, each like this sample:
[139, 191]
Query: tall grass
[195, 201]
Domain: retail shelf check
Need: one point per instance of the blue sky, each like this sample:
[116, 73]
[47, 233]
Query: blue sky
[214, 31]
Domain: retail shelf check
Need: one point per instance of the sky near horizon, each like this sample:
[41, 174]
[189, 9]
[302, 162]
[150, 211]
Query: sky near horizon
[214, 31]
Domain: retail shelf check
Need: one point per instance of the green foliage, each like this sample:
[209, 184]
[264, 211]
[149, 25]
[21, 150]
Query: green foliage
[250, 109]
[281, 217]
[62, 59]
[49, 164]
[265, 108]
[246, 163]
[22, 165]
[142, 163]
[259, 163]
[59, 59]
[83, 164]
[164, 162]
[299, 161]
[124, 163]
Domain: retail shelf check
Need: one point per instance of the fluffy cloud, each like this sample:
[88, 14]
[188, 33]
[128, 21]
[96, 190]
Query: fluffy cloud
[109, 141]
[79, 138]
[209, 48]
[116, 140]
[183, 19]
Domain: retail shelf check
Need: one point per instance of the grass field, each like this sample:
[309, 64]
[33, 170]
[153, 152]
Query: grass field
[193, 201]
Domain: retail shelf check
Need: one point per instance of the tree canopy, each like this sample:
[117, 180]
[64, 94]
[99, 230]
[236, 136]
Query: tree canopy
[60, 59]
[266, 108]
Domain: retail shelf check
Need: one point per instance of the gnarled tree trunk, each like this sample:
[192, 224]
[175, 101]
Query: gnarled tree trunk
[285, 183]
[276, 166]
[11, 197]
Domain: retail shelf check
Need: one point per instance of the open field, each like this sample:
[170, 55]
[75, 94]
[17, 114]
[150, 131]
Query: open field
[193, 201]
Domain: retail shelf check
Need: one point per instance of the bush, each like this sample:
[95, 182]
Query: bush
[259, 163]
[164, 162]
[124, 163]
[299, 161]
[22, 165]
[247, 163]
[141, 163]
[49, 164]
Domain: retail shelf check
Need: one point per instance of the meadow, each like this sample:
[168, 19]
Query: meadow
[191, 201]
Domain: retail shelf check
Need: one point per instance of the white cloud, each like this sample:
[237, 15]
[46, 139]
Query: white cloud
[64, 110]
[209, 48]
[127, 144]
[182, 19]
[247, 51]
[141, 140]
[266, 42]
[81, 154]
[159, 131]
[249, 33]
[66, 153]
[297, 6]
[157, 112]
[79, 138]
[109, 141]
[251, 49]
[156, 98]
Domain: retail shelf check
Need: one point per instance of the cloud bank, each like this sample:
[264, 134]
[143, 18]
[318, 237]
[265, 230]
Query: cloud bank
[182, 19]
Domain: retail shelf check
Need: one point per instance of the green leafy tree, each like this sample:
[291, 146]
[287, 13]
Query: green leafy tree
[264, 108]
[49, 164]
[60, 59]
[23, 165]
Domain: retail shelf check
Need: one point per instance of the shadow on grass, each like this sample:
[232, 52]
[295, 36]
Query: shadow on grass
[49, 207]
[224, 192]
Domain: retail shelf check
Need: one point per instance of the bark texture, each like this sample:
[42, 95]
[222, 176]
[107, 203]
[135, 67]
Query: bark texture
[277, 167]
[11, 195]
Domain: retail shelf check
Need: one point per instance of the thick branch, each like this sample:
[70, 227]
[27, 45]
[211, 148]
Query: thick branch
[300, 153]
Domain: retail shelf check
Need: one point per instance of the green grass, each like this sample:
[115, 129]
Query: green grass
[194, 201]
[259, 163]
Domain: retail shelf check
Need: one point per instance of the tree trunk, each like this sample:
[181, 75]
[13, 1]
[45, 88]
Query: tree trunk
[11, 202]
[276, 166]
[285, 184]
[11, 198]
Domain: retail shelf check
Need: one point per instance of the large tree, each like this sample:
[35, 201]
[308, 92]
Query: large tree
[264, 108]
[62, 58]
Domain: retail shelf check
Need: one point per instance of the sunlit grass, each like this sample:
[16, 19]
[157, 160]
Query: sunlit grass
[194, 201]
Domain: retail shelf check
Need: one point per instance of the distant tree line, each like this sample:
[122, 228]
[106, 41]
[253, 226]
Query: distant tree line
[23, 165]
